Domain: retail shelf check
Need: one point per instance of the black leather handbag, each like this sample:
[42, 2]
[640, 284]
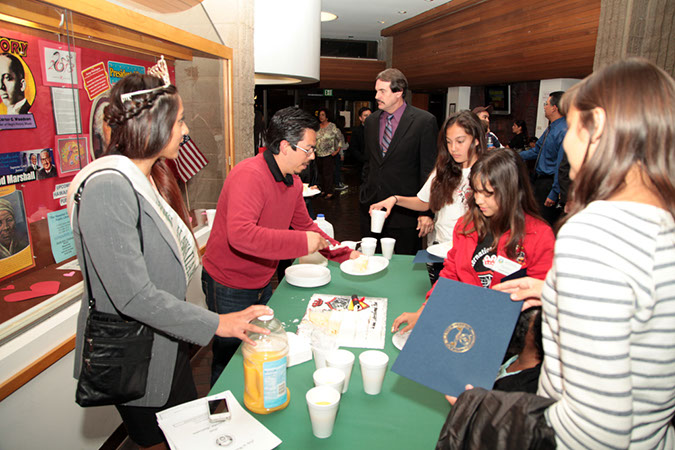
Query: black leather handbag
[117, 349]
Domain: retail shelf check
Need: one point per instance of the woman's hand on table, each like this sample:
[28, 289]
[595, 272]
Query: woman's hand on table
[387, 204]
[425, 224]
[237, 324]
[527, 288]
[408, 317]
[452, 400]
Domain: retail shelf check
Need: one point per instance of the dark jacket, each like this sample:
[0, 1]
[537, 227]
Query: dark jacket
[406, 166]
[497, 420]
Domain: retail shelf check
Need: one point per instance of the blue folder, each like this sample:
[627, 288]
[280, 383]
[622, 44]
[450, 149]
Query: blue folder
[460, 338]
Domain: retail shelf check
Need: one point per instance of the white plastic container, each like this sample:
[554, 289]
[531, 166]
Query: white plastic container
[325, 225]
[316, 257]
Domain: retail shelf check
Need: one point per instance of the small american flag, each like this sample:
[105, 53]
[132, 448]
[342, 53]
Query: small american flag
[190, 160]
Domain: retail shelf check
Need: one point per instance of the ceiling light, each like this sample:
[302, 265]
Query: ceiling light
[403, 11]
[294, 55]
[381, 21]
[328, 16]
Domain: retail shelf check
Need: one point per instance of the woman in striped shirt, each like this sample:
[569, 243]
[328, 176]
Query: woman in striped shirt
[609, 299]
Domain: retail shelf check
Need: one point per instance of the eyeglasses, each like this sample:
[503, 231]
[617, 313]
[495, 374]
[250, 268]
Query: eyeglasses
[307, 152]
[545, 103]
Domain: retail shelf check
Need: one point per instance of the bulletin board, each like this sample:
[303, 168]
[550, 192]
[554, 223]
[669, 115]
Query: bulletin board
[58, 71]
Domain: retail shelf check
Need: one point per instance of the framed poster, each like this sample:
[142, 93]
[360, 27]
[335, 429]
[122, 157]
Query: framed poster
[60, 64]
[16, 253]
[70, 153]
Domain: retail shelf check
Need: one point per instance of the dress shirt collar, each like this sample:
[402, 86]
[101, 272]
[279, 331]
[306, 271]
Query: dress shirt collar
[397, 115]
[274, 168]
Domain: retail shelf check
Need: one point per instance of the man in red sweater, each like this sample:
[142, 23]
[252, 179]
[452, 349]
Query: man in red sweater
[261, 199]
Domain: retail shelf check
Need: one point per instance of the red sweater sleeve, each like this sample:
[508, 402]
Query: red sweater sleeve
[540, 250]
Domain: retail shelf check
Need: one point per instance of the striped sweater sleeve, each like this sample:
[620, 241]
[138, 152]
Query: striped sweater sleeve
[604, 335]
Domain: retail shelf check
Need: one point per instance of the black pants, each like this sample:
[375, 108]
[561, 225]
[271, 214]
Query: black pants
[326, 166]
[141, 421]
[541, 186]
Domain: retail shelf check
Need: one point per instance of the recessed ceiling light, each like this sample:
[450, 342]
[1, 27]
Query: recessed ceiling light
[381, 21]
[403, 11]
[327, 16]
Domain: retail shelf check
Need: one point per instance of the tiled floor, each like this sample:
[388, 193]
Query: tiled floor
[343, 214]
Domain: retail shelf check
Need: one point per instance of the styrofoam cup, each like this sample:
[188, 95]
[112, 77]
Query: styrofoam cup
[387, 247]
[343, 360]
[330, 376]
[373, 368]
[368, 245]
[210, 216]
[377, 217]
[322, 402]
[322, 344]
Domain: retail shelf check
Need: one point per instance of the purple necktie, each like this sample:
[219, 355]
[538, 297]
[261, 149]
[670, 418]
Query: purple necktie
[388, 133]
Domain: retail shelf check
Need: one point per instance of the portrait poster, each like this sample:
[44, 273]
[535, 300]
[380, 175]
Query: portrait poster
[70, 153]
[17, 92]
[19, 167]
[16, 252]
[60, 64]
[97, 136]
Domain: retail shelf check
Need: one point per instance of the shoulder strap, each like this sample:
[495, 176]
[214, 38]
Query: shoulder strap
[77, 198]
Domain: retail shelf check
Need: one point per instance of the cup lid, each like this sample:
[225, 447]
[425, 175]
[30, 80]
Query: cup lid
[266, 317]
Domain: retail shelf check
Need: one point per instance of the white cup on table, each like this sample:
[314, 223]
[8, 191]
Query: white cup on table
[322, 402]
[373, 368]
[368, 245]
[329, 376]
[322, 344]
[387, 244]
[344, 360]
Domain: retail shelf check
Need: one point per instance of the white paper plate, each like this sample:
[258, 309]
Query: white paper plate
[441, 250]
[307, 275]
[375, 264]
[399, 339]
[307, 192]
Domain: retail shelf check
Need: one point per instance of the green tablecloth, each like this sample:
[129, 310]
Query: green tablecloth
[405, 415]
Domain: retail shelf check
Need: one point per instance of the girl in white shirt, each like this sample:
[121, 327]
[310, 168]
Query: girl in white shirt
[461, 142]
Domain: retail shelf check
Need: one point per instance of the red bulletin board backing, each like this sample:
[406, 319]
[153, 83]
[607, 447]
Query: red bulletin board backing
[39, 194]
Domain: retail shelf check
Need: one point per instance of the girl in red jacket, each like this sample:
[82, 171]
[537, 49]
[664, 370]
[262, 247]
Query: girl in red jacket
[501, 232]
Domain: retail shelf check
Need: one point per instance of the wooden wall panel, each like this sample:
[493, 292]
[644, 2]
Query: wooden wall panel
[477, 42]
[349, 73]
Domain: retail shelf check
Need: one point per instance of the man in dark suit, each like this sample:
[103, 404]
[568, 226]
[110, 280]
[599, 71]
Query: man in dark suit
[400, 152]
[33, 166]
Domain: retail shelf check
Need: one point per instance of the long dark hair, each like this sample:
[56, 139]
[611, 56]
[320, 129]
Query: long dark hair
[506, 173]
[638, 100]
[141, 128]
[523, 128]
[449, 172]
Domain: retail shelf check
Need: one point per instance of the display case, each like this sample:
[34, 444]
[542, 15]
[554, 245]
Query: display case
[58, 60]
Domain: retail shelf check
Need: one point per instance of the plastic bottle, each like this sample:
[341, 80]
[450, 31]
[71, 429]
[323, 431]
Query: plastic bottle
[316, 257]
[265, 388]
[325, 225]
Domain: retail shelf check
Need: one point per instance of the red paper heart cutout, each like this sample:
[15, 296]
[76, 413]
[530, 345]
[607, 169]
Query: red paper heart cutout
[39, 289]
[9, 287]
